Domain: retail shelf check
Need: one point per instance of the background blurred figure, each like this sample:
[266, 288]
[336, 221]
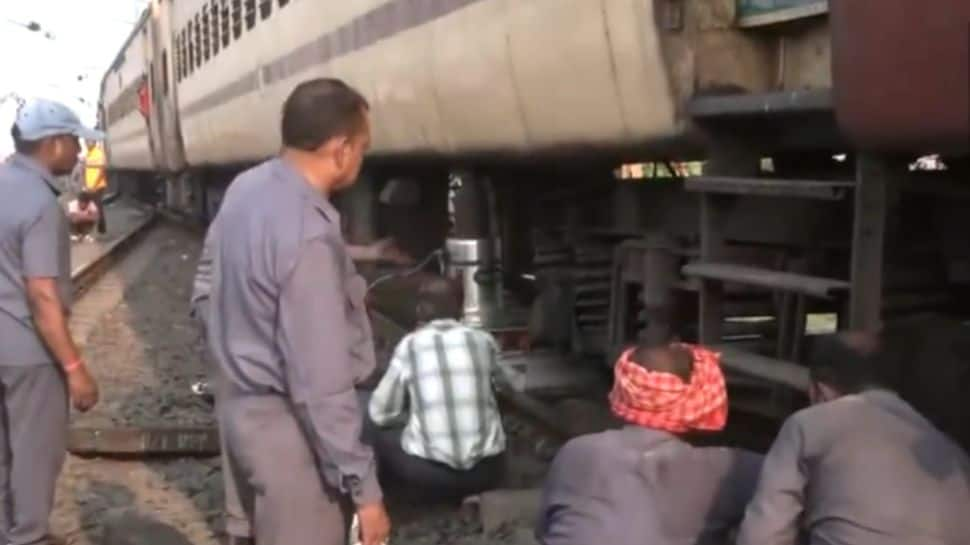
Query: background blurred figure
[96, 180]
[83, 214]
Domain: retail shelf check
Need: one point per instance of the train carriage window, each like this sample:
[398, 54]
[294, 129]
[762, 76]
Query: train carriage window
[226, 29]
[185, 55]
[189, 51]
[265, 8]
[164, 73]
[197, 60]
[199, 41]
[250, 14]
[214, 11]
[236, 19]
[206, 49]
[177, 58]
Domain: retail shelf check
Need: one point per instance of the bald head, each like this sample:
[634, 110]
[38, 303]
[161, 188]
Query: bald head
[439, 299]
[675, 360]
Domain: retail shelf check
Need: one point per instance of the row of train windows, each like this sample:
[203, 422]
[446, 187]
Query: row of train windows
[214, 28]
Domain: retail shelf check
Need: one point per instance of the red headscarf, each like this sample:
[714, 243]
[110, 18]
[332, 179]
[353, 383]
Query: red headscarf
[663, 401]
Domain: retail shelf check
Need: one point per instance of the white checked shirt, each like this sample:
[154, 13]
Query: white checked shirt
[445, 370]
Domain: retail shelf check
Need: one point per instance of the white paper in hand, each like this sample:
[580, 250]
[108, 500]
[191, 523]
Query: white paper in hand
[354, 537]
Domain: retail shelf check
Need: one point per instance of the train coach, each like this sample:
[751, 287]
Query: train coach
[499, 126]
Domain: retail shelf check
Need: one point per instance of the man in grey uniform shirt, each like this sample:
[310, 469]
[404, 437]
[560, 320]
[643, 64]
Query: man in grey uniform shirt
[238, 527]
[40, 366]
[287, 328]
[861, 467]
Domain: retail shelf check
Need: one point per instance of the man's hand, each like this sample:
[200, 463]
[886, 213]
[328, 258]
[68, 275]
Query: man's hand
[387, 250]
[375, 526]
[83, 388]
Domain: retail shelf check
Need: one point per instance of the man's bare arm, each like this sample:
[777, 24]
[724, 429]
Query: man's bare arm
[51, 320]
[366, 254]
[382, 250]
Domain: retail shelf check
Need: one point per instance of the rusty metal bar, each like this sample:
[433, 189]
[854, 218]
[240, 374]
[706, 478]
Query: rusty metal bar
[770, 187]
[751, 104]
[711, 311]
[815, 286]
[144, 441]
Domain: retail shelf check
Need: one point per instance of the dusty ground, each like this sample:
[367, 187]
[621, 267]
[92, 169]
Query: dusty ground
[146, 353]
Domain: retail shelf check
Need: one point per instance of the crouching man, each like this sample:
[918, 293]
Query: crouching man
[645, 483]
[450, 443]
[861, 466]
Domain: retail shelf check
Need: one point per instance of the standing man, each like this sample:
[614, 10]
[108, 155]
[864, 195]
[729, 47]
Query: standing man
[40, 366]
[96, 179]
[238, 527]
[288, 330]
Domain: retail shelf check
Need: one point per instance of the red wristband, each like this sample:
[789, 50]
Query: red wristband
[73, 365]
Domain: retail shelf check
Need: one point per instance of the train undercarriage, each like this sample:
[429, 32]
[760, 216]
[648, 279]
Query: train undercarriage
[782, 237]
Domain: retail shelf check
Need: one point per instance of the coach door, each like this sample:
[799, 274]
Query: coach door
[167, 150]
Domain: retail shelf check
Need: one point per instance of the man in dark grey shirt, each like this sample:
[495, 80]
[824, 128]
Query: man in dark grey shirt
[287, 328]
[645, 484]
[40, 366]
[861, 467]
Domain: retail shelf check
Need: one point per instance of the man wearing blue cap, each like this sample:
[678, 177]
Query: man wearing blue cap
[40, 366]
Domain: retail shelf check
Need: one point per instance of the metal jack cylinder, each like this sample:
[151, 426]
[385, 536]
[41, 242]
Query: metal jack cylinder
[472, 250]
[472, 262]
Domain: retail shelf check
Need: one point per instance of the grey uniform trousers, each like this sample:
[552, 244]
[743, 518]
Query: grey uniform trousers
[33, 432]
[277, 477]
[236, 520]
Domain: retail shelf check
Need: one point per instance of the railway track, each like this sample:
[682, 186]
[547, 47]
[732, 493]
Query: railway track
[153, 441]
[132, 441]
[146, 457]
[85, 275]
[203, 441]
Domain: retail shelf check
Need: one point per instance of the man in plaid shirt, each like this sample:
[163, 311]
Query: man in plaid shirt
[452, 443]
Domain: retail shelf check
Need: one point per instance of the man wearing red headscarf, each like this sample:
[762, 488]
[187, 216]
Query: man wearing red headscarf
[644, 483]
